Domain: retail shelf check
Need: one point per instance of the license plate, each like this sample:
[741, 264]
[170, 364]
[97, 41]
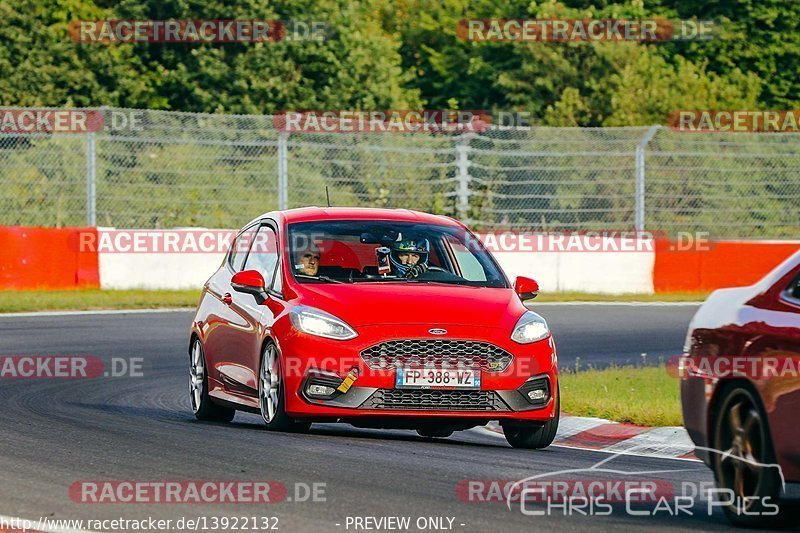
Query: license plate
[437, 378]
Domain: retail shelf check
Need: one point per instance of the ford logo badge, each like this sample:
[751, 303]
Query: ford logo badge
[437, 331]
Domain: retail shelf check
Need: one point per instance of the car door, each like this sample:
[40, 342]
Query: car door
[230, 339]
[781, 395]
[262, 257]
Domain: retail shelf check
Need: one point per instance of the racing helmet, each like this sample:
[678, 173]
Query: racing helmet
[408, 246]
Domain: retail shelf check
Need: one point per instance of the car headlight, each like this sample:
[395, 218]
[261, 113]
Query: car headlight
[317, 322]
[530, 328]
[687, 342]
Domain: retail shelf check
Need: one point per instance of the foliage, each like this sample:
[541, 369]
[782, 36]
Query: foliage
[404, 54]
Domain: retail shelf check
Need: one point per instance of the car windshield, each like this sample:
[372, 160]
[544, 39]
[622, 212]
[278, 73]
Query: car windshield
[366, 251]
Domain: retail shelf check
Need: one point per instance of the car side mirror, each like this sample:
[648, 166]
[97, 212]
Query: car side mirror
[250, 282]
[526, 288]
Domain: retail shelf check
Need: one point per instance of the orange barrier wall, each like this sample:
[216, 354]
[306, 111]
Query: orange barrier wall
[45, 258]
[723, 264]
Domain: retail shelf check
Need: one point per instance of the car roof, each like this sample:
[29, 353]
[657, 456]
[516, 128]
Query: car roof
[313, 214]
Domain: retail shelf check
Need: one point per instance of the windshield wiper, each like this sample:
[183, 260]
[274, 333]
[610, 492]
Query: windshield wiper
[321, 278]
[439, 282]
[378, 279]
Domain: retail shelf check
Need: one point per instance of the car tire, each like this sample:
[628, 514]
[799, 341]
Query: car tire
[272, 396]
[534, 437]
[741, 437]
[203, 406]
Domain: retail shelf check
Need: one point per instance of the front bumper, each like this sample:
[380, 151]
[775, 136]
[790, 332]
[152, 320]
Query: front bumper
[695, 396]
[502, 394]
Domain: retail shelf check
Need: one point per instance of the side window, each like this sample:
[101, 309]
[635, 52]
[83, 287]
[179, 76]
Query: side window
[793, 291]
[240, 247]
[263, 256]
[471, 268]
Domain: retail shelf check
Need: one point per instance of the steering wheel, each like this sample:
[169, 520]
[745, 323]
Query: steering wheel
[436, 269]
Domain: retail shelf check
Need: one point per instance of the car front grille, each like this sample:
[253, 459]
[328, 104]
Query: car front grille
[437, 353]
[441, 400]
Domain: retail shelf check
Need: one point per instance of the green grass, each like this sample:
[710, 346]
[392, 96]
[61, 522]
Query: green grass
[587, 297]
[90, 299]
[646, 396]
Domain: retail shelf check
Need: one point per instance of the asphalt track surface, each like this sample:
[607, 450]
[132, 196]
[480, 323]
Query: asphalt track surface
[57, 432]
[594, 335]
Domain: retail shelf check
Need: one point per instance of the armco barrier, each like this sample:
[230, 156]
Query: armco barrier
[723, 264]
[45, 258]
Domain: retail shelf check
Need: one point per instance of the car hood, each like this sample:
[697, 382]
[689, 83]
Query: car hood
[411, 303]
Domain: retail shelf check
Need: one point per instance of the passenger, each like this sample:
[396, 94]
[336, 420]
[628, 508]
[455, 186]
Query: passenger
[307, 260]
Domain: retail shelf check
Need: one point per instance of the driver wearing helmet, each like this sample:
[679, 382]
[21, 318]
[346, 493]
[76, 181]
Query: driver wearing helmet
[409, 257]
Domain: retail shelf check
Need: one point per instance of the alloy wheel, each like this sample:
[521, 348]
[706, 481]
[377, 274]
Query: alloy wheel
[269, 384]
[197, 373]
[742, 444]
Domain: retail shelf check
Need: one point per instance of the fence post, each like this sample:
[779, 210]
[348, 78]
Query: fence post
[651, 131]
[462, 176]
[91, 183]
[283, 174]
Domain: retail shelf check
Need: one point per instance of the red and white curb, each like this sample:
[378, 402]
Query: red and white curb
[597, 434]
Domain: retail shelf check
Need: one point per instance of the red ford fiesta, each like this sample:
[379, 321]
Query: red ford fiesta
[373, 317]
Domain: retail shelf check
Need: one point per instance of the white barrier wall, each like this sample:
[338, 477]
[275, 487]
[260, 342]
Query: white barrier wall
[157, 270]
[593, 272]
[610, 264]
[614, 268]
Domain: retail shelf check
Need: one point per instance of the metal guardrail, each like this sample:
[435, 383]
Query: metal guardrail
[184, 169]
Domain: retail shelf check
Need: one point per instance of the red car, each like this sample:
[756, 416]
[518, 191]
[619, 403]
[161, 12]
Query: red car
[741, 395]
[374, 317]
